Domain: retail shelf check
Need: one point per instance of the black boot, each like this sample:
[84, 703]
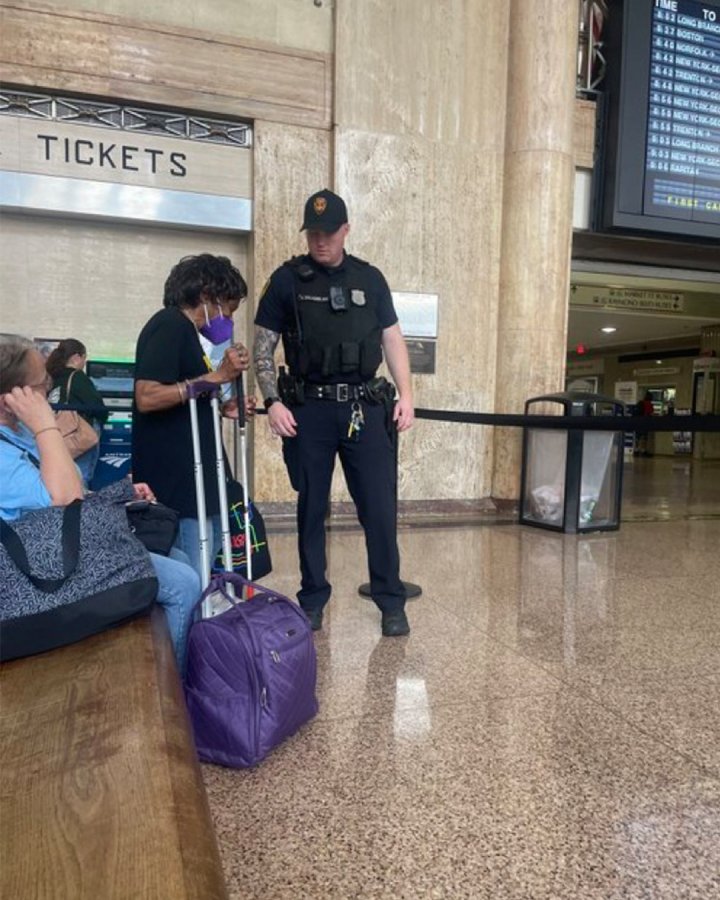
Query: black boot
[315, 618]
[395, 624]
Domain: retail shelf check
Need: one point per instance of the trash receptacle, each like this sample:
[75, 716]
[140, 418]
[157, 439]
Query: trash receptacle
[571, 478]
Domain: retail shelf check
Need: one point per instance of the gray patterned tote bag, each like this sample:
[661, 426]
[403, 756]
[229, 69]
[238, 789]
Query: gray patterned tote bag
[69, 572]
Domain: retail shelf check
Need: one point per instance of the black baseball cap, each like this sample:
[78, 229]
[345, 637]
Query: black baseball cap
[324, 211]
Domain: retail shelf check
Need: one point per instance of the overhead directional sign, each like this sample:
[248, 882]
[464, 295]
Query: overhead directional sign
[627, 298]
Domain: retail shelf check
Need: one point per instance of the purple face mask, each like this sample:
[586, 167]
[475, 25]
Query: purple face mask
[217, 330]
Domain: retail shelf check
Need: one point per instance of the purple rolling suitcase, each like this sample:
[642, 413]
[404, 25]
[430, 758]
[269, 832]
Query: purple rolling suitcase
[252, 670]
[251, 676]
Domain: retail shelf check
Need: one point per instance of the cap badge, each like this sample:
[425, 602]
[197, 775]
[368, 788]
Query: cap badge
[319, 205]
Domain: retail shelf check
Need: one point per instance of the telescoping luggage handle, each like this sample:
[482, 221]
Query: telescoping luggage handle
[197, 389]
[240, 396]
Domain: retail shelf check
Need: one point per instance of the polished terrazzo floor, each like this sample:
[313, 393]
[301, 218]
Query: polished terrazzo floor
[550, 729]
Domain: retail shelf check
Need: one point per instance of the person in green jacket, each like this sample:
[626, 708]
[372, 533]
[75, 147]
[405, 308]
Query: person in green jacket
[66, 365]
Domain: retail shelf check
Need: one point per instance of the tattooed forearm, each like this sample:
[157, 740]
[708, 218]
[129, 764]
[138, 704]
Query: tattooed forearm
[264, 359]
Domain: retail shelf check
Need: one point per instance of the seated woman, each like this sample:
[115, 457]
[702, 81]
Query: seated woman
[66, 366]
[36, 470]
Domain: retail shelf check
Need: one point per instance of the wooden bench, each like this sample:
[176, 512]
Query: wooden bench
[100, 790]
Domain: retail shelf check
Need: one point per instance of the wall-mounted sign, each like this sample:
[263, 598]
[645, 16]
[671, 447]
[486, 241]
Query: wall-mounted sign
[626, 391]
[586, 366]
[422, 355]
[49, 166]
[65, 150]
[628, 298]
[418, 313]
[418, 316]
[706, 364]
[660, 370]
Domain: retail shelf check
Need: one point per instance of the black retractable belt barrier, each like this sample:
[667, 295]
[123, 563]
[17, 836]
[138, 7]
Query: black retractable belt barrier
[583, 423]
[623, 423]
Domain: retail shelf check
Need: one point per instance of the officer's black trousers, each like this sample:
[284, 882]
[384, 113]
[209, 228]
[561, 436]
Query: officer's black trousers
[370, 472]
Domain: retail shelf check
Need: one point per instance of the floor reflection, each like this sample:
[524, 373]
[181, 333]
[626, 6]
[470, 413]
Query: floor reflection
[549, 730]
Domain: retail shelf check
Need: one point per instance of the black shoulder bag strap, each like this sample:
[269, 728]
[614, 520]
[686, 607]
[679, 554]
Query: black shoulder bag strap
[70, 546]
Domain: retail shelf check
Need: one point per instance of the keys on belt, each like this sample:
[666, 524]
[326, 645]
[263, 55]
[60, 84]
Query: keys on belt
[356, 423]
[339, 392]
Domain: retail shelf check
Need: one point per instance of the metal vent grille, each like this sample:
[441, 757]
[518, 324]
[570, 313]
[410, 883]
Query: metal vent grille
[125, 118]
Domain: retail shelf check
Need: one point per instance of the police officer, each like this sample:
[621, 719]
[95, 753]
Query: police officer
[336, 318]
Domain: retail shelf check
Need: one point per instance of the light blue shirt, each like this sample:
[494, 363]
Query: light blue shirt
[21, 485]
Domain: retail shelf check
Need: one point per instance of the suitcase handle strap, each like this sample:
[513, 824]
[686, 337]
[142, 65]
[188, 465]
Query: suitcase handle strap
[219, 581]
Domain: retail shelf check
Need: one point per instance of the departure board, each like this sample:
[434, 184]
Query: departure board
[658, 164]
[682, 161]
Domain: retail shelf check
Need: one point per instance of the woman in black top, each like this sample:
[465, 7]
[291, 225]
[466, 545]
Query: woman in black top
[201, 294]
[66, 366]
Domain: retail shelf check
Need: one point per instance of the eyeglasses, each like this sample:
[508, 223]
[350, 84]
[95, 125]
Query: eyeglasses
[43, 385]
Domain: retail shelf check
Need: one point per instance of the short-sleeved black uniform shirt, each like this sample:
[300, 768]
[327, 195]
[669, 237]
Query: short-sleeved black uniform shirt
[168, 350]
[276, 310]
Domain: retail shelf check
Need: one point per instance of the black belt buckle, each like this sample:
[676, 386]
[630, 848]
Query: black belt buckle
[343, 392]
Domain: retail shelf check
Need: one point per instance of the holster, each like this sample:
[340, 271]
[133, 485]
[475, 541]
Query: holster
[290, 388]
[379, 390]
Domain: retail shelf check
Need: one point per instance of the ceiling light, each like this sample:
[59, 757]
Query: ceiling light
[608, 329]
[658, 362]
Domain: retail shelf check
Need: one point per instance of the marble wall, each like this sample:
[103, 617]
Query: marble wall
[302, 24]
[290, 164]
[447, 126]
[420, 113]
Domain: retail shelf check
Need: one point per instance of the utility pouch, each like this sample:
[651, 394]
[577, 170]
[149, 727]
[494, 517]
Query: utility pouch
[349, 357]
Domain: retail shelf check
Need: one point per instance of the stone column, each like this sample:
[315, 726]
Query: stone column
[537, 218]
[707, 443]
[710, 338]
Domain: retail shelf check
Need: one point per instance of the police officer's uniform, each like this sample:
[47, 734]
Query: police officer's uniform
[332, 321]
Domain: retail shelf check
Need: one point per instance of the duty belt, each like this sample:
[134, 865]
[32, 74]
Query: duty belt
[338, 392]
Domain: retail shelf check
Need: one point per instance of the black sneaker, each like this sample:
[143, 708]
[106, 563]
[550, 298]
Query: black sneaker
[314, 617]
[395, 624]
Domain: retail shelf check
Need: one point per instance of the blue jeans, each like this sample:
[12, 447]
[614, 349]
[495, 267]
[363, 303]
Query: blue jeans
[88, 461]
[178, 594]
[188, 540]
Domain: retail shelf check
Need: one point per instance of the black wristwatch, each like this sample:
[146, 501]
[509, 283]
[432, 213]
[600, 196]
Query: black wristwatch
[269, 402]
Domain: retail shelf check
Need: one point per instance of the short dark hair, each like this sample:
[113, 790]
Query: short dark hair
[14, 351]
[59, 357]
[193, 276]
